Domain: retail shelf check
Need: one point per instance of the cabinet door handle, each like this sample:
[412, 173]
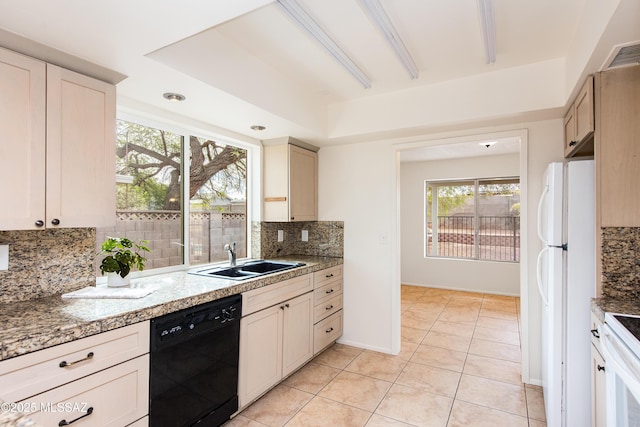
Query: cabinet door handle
[292, 218]
[600, 368]
[55, 221]
[329, 275]
[66, 423]
[39, 223]
[282, 307]
[595, 333]
[65, 364]
[328, 307]
[329, 330]
[572, 143]
[330, 291]
[286, 305]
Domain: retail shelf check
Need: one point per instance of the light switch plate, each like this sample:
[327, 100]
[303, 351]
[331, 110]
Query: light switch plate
[280, 236]
[4, 257]
[305, 235]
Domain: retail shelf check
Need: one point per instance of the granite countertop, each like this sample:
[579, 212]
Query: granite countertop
[29, 326]
[602, 305]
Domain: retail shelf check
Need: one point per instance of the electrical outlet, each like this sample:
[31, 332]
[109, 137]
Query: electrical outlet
[4, 257]
[280, 236]
[305, 235]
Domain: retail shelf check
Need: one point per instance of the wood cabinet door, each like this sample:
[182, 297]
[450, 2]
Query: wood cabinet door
[303, 184]
[298, 333]
[584, 112]
[80, 150]
[598, 389]
[22, 141]
[617, 147]
[260, 364]
[117, 396]
[570, 131]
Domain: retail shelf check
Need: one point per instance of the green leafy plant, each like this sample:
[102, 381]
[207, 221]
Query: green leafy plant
[122, 255]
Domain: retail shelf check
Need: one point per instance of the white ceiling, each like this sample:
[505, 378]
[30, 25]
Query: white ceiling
[458, 150]
[241, 63]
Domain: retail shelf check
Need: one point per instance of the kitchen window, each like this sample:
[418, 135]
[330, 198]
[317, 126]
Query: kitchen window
[473, 219]
[155, 202]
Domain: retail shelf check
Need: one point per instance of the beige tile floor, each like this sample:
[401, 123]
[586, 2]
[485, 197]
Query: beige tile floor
[459, 366]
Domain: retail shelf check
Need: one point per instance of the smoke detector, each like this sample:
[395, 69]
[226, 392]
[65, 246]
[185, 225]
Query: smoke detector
[623, 55]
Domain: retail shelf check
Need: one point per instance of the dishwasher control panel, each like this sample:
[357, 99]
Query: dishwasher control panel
[175, 327]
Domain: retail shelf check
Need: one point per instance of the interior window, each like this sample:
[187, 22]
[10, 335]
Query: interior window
[473, 219]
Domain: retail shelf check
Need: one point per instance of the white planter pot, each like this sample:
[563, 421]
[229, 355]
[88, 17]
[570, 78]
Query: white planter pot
[114, 280]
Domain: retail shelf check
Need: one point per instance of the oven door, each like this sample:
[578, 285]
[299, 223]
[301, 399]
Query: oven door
[623, 381]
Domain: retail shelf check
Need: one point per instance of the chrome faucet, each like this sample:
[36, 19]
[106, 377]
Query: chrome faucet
[232, 253]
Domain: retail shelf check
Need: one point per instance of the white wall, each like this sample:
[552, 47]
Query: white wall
[358, 184]
[471, 275]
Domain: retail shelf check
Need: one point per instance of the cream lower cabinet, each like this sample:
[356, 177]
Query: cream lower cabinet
[114, 397]
[276, 340]
[101, 380]
[57, 146]
[327, 300]
[598, 378]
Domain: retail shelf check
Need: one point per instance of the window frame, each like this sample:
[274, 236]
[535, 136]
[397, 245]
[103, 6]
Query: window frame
[476, 183]
[254, 153]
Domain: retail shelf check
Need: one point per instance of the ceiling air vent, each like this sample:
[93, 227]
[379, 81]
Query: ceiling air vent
[623, 55]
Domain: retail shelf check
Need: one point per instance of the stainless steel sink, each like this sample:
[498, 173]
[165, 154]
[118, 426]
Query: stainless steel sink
[247, 270]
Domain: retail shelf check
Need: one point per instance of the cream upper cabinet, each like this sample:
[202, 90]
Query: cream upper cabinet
[81, 117]
[22, 140]
[290, 183]
[58, 146]
[579, 122]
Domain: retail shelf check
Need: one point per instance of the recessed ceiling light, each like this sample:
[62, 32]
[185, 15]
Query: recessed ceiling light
[258, 127]
[487, 143]
[174, 97]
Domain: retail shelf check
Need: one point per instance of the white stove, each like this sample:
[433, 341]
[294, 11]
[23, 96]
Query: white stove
[621, 350]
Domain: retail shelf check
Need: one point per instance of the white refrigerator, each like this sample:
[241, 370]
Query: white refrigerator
[566, 282]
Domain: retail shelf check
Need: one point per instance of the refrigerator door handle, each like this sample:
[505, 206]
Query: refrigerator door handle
[543, 197]
[539, 274]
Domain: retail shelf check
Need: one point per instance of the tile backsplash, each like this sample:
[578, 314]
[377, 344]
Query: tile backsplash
[50, 262]
[47, 262]
[326, 238]
[621, 262]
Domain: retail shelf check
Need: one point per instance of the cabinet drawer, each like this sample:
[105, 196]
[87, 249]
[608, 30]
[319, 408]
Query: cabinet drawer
[327, 331]
[117, 396]
[327, 308]
[323, 294]
[267, 296]
[322, 277]
[42, 370]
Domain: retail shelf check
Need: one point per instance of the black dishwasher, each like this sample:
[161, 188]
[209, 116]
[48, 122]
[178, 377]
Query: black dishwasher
[194, 353]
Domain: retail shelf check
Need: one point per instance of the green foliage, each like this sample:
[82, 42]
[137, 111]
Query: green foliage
[450, 197]
[122, 255]
[153, 158]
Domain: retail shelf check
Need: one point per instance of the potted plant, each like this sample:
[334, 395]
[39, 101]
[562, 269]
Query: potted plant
[122, 254]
